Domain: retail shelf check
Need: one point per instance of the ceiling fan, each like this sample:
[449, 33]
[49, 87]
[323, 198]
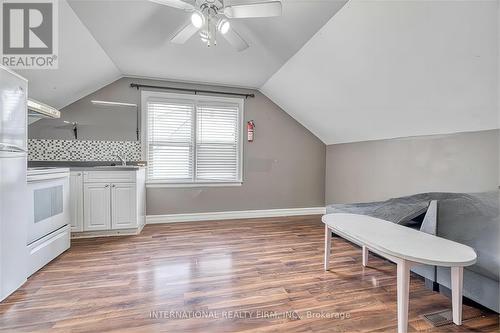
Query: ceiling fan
[211, 17]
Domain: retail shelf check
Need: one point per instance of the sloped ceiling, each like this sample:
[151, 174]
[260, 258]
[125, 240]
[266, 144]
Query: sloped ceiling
[386, 69]
[83, 65]
[103, 40]
[136, 35]
[374, 70]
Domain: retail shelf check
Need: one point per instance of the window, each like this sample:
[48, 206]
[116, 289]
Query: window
[192, 140]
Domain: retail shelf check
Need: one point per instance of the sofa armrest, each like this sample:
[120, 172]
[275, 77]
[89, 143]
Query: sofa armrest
[429, 225]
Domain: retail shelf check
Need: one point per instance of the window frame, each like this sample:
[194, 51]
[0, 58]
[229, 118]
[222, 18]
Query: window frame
[158, 95]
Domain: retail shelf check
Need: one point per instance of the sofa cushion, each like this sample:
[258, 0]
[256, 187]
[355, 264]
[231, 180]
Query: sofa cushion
[397, 210]
[473, 219]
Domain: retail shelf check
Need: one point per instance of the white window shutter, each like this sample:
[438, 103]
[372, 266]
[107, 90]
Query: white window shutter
[170, 140]
[192, 139]
[217, 142]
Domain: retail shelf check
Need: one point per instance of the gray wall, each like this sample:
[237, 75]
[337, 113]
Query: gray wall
[378, 170]
[94, 122]
[283, 168]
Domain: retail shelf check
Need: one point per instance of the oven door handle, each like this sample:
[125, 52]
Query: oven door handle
[9, 148]
[43, 177]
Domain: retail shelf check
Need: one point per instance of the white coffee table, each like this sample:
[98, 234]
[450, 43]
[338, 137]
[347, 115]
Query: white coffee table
[405, 247]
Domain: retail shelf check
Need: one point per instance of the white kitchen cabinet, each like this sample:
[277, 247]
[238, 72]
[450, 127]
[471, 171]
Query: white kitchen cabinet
[96, 207]
[109, 176]
[112, 202]
[123, 206]
[76, 200]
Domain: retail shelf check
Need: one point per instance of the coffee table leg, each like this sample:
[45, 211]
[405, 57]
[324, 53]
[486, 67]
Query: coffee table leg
[457, 274]
[365, 255]
[403, 295]
[328, 246]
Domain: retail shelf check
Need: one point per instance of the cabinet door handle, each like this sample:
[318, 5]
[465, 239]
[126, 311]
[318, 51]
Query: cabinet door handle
[107, 185]
[113, 185]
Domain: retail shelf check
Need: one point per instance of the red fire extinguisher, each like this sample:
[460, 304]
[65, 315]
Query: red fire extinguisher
[250, 130]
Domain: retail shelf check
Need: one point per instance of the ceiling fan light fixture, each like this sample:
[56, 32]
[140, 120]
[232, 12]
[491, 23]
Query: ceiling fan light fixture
[197, 19]
[210, 18]
[223, 26]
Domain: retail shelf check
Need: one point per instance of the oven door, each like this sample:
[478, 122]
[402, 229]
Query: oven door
[49, 199]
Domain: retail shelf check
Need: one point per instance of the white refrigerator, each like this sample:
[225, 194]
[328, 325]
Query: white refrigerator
[13, 187]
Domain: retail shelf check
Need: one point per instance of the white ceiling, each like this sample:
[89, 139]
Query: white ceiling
[386, 69]
[376, 70]
[83, 65]
[102, 40]
[135, 35]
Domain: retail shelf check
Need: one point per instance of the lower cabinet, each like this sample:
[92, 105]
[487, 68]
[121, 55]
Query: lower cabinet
[109, 200]
[76, 200]
[123, 206]
[96, 207]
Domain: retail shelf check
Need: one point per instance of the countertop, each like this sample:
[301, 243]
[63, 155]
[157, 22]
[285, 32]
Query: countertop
[82, 165]
[108, 168]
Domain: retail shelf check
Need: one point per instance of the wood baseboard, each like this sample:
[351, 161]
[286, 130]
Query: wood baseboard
[106, 233]
[230, 215]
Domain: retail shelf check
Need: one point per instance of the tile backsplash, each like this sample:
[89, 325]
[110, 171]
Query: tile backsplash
[82, 150]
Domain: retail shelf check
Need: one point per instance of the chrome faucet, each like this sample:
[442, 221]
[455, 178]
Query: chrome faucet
[124, 163]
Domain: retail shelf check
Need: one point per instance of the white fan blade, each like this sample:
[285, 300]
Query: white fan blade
[184, 34]
[259, 9]
[175, 3]
[235, 40]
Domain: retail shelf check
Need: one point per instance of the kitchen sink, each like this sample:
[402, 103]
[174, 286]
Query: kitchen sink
[116, 167]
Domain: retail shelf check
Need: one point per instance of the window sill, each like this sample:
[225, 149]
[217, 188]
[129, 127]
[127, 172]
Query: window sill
[192, 185]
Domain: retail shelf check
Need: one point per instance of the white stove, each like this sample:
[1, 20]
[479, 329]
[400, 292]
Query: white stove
[49, 218]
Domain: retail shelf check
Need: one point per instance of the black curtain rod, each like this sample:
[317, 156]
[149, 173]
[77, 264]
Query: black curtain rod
[195, 91]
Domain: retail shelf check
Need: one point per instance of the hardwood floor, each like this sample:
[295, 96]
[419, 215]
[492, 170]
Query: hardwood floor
[262, 275]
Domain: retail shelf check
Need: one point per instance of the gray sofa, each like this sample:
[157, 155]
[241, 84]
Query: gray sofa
[472, 219]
